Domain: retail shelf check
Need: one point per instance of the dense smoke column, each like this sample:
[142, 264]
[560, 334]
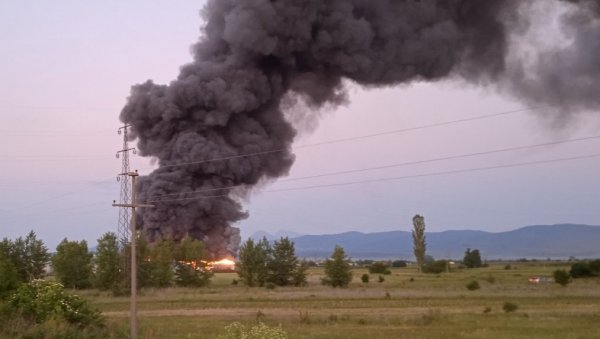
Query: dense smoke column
[255, 53]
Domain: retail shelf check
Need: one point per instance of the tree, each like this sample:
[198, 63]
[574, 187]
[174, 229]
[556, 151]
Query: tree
[161, 259]
[562, 277]
[191, 262]
[379, 267]
[252, 266]
[9, 276]
[107, 262]
[418, 235]
[299, 275]
[472, 258]
[29, 256]
[72, 264]
[282, 262]
[337, 269]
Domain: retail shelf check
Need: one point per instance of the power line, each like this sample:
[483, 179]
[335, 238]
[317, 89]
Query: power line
[360, 137]
[476, 169]
[452, 157]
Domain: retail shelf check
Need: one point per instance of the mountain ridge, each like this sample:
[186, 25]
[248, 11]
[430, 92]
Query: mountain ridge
[558, 241]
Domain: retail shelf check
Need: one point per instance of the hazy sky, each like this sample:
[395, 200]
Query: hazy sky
[66, 68]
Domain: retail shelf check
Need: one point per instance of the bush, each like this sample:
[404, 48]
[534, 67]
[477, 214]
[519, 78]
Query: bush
[584, 269]
[581, 270]
[41, 300]
[379, 267]
[270, 286]
[238, 331]
[509, 307]
[435, 267]
[365, 278]
[562, 277]
[473, 285]
[399, 263]
[381, 279]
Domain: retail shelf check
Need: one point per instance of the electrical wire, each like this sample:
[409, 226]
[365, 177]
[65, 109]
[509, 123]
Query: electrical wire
[452, 157]
[360, 137]
[467, 170]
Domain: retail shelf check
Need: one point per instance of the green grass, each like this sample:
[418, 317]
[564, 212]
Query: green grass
[431, 306]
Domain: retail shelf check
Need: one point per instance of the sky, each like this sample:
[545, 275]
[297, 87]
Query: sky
[66, 70]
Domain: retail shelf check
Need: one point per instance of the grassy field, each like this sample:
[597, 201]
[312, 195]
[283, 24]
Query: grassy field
[406, 305]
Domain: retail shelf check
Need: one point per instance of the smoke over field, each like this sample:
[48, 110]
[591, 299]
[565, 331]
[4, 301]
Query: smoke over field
[219, 129]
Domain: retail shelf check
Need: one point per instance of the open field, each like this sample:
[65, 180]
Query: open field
[406, 305]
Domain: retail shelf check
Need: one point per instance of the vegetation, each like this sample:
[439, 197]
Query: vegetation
[22, 260]
[472, 258]
[260, 331]
[435, 267]
[252, 265]
[379, 267]
[509, 307]
[419, 245]
[585, 269]
[107, 262]
[473, 285]
[282, 263]
[190, 264]
[364, 278]
[72, 264]
[337, 269]
[562, 277]
[278, 265]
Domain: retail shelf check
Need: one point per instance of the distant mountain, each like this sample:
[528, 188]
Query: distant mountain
[540, 241]
[258, 235]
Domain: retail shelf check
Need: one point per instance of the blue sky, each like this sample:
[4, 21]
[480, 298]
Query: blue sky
[66, 69]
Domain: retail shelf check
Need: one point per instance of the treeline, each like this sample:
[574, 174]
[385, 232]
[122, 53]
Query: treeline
[163, 264]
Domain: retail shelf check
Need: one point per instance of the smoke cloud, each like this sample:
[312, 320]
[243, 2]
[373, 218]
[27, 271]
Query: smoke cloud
[254, 55]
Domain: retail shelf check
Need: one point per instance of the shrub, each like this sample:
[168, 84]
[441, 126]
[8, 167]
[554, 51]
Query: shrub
[381, 279]
[562, 277]
[41, 300]
[378, 267]
[435, 267]
[487, 310]
[581, 270]
[238, 331]
[509, 307]
[270, 286]
[473, 285]
[399, 263]
[365, 278]
[507, 267]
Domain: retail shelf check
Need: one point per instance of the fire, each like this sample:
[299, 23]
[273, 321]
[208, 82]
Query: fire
[223, 265]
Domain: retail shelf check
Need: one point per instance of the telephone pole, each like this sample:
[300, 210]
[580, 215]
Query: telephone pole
[133, 205]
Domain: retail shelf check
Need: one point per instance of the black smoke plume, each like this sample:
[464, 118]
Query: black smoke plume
[229, 102]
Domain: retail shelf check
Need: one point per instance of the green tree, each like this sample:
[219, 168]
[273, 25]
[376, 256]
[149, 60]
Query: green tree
[29, 256]
[72, 264]
[562, 277]
[337, 269]
[191, 263]
[107, 262]
[161, 259]
[299, 275]
[472, 258]
[252, 265]
[418, 235]
[9, 276]
[282, 263]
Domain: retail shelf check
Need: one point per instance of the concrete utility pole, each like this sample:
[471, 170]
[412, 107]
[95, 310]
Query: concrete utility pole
[133, 205]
